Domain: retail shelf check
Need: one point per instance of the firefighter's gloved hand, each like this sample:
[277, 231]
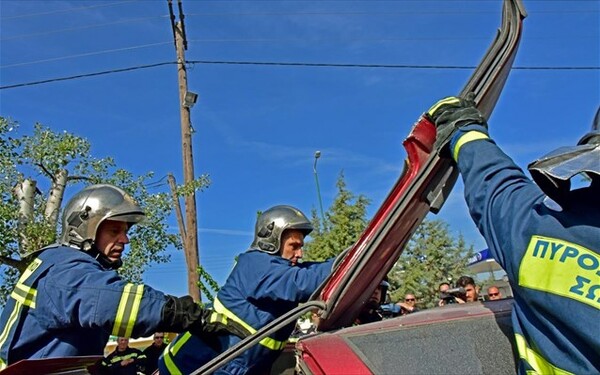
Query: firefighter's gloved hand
[219, 324]
[183, 314]
[453, 113]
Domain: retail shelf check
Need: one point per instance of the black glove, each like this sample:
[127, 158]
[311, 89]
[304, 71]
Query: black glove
[452, 113]
[183, 314]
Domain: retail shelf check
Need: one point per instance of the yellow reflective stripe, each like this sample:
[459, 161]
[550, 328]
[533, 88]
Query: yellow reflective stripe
[218, 307]
[267, 341]
[272, 343]
[173, 369]
[466, 138]
[217, 318]
[2, 365]
[129, 306]
[30, 269]
[172, 350]
[119, 358]
[179, 343]
[25, 295]
[11, 321]
[436, 106]
[19, 302]
[536, 361]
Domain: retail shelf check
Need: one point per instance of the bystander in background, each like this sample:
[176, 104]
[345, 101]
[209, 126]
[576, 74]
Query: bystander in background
[408, 306]
[124, 360]
[154, 351]
[471, 289]
[494, 293]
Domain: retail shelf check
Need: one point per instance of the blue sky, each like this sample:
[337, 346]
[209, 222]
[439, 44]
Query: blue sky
[258, 126]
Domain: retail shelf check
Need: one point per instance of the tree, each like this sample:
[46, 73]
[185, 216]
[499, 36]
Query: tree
[432, 256]
[30, 207]
[344, 223]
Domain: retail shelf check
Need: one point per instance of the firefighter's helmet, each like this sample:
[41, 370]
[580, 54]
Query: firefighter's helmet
[271, 224]
[553, 172]
[90, 207]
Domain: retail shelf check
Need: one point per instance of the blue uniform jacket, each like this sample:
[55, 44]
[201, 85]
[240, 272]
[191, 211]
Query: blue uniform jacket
[260, 289]
[551, 257]
[67, 304]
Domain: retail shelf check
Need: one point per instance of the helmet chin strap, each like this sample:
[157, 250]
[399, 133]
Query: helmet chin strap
[91, 249]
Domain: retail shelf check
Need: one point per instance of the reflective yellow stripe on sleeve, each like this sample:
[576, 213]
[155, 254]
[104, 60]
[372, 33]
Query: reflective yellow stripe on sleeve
[466, 138]
[23, 296]
[266, 342]
[172, 350]
[128, 309]
[536, 361]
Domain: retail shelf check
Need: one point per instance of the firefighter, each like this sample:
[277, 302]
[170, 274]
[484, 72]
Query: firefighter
[70, 299]
[267, 281]
[545, 235]
[372, 309]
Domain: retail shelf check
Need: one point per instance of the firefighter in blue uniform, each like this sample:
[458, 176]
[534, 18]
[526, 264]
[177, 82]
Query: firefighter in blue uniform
[70, 299]
[266, 282]
[546, 237]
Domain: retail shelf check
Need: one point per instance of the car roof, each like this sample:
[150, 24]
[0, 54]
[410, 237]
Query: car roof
[461, 338]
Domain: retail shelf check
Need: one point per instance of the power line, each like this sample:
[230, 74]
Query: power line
[44, 33]
[85, 54]
[271, 40]
[296, 64]
[87, 75]
[392, 66]
[66, 10]
[369, 13]
[321, 13]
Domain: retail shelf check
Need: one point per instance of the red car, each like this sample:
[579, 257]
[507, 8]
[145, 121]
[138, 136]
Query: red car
[473, 338]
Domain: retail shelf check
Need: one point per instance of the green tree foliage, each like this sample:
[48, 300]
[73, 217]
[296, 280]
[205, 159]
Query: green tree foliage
[60, 161]
[432, 256]
[207, 284]
[344, 221]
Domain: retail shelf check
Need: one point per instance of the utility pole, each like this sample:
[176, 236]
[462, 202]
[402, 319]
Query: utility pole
[190, 241]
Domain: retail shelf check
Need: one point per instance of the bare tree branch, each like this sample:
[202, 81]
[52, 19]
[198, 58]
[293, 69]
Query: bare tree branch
[72, 178]
[18, 264]
[46, 171]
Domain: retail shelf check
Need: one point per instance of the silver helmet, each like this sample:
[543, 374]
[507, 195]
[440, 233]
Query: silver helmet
[90, 207]
[553, 171]
[271, 224]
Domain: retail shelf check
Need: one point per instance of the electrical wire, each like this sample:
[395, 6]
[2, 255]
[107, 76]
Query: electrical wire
[97, 25]
[296, 64]
[369, 13]
[85, 54]
[138, 67]
[67, 10]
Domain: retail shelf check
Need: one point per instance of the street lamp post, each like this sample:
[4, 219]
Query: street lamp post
[317, 156]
